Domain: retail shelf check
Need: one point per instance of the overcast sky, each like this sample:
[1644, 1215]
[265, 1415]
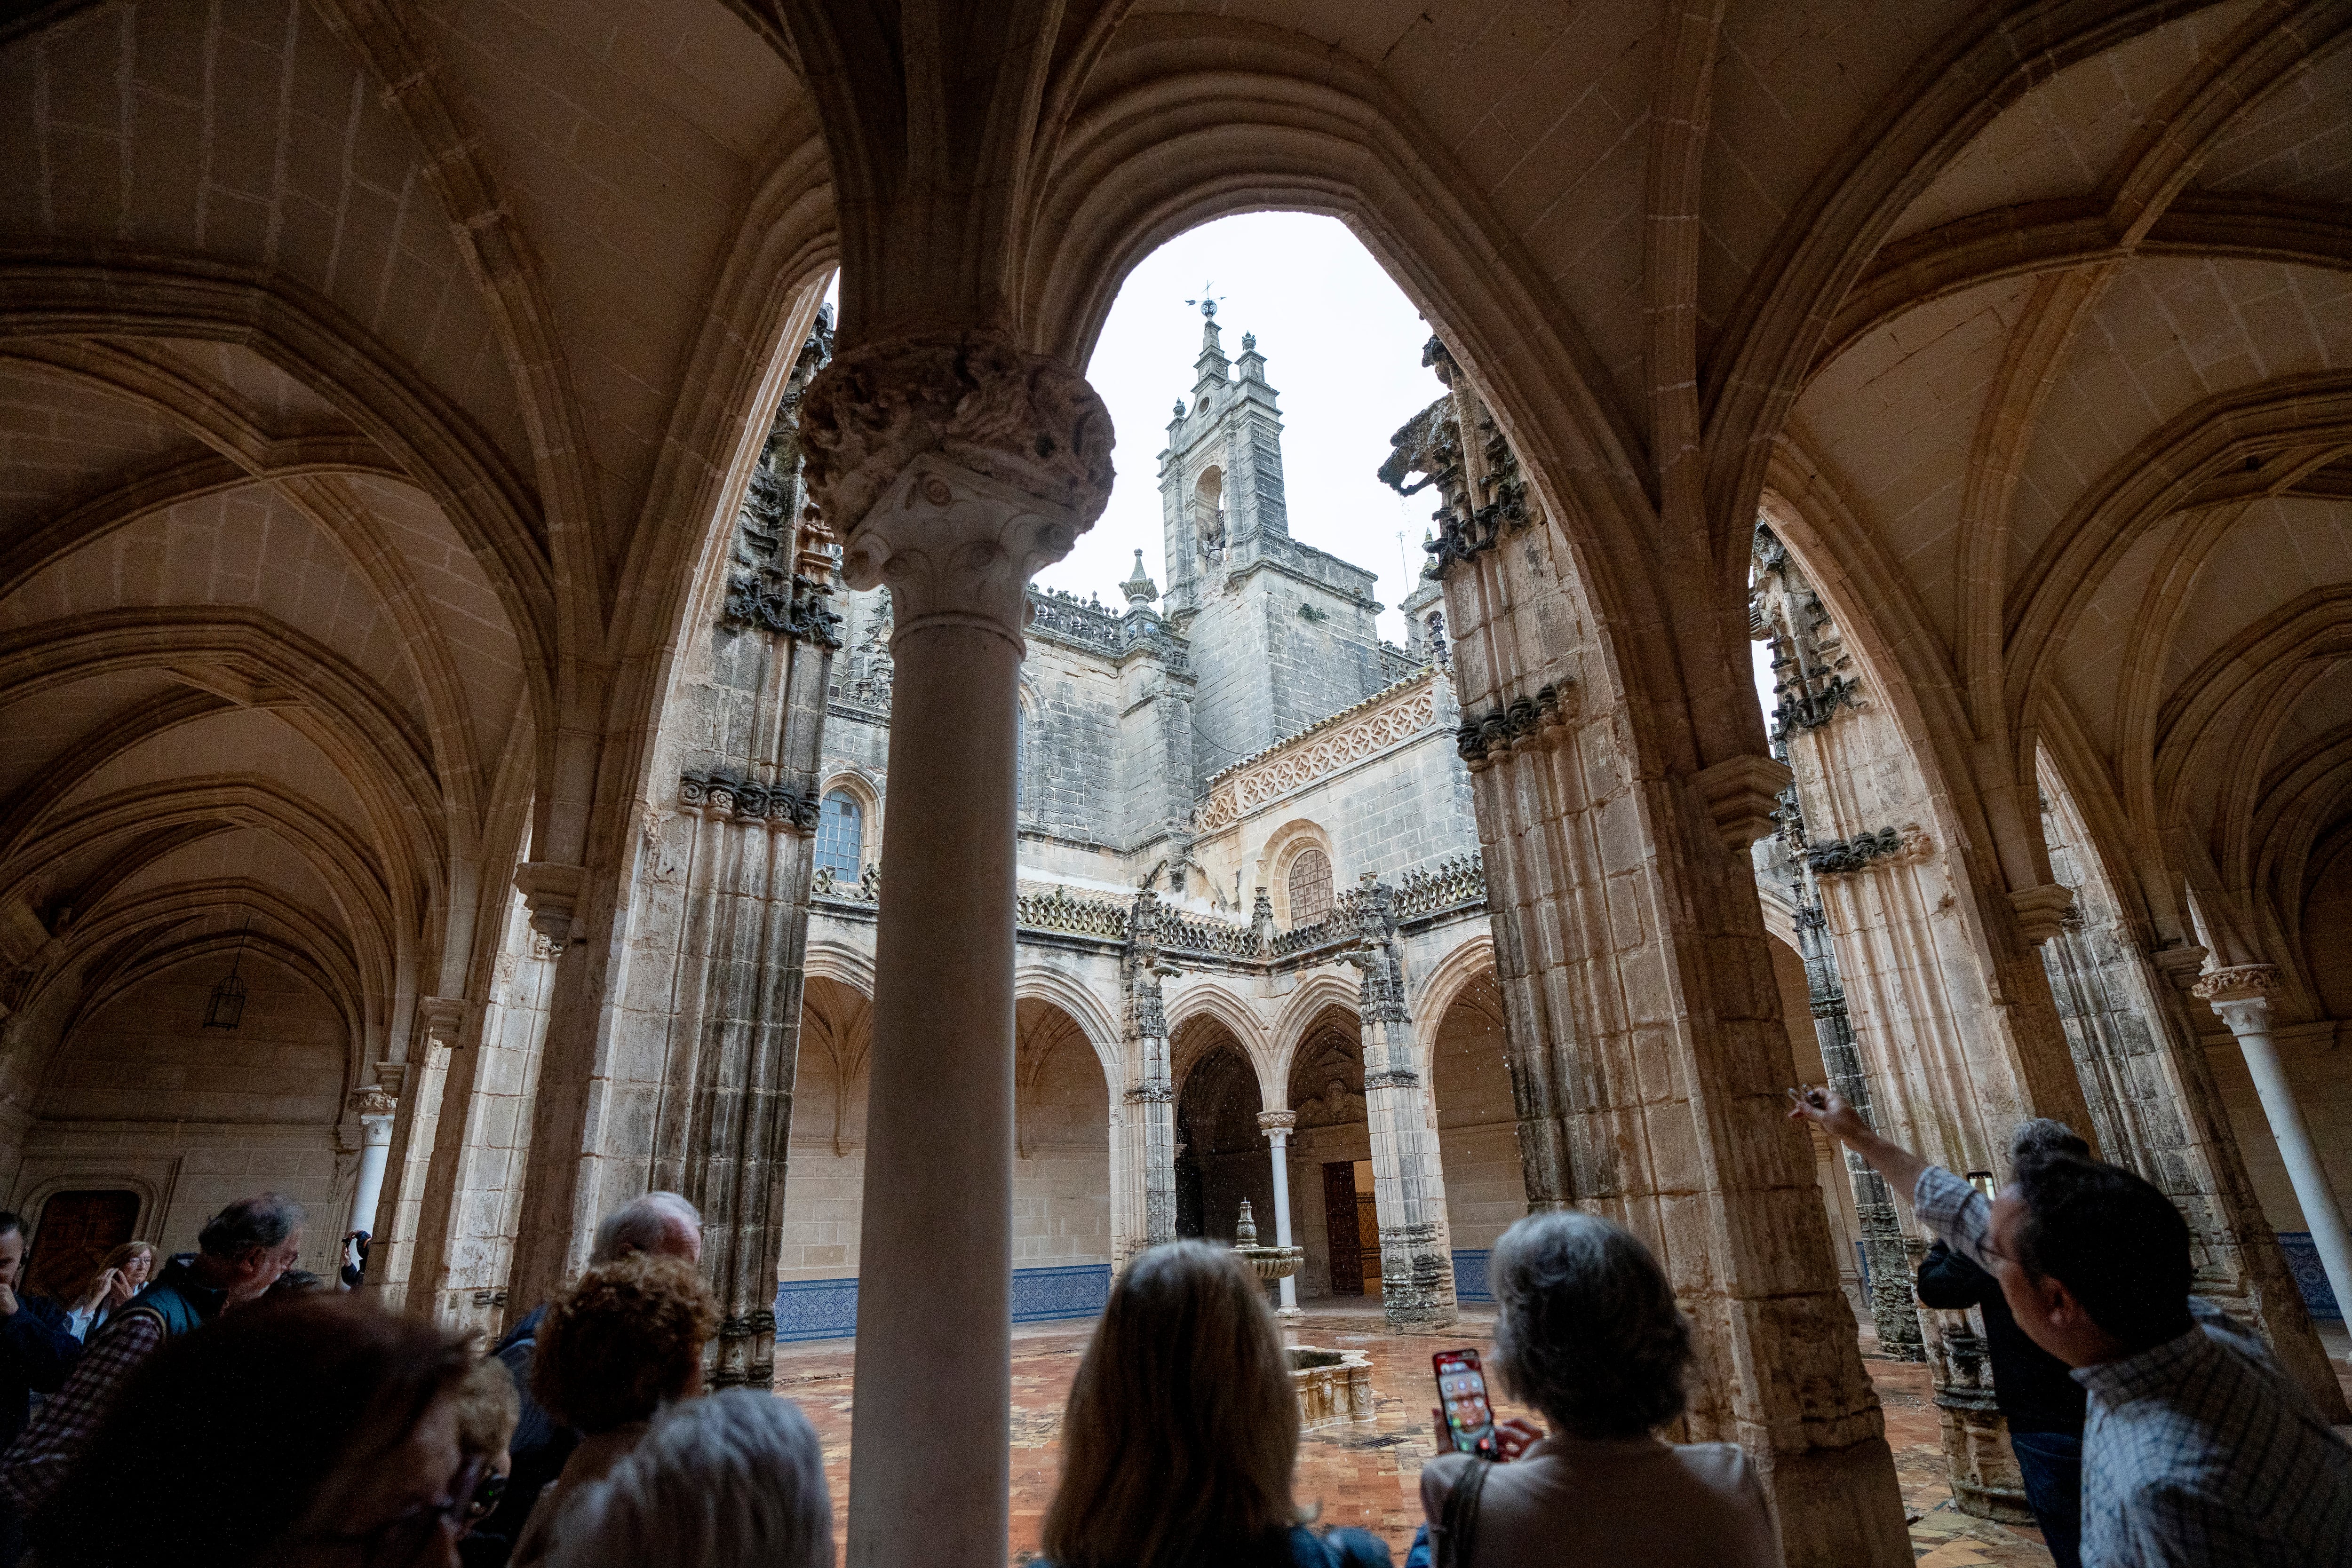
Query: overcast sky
[1342, 348]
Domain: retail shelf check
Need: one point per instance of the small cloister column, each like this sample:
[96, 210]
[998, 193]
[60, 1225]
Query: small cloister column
[376, 1110]
[1407, 1186]
[1149, 1147]
[954, 468]
[2241, 994]
[1277, 1126]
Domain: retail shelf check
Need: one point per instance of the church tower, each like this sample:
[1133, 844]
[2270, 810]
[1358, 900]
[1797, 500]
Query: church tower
[1282, 634]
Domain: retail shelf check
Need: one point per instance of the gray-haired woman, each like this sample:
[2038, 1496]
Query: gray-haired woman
[1586, 1332]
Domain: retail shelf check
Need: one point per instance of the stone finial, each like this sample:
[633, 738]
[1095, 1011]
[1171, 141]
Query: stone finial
[976, 399]
[1140, 589]
[1245, 1227]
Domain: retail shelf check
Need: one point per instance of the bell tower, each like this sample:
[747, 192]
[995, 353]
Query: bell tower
[1282, 634]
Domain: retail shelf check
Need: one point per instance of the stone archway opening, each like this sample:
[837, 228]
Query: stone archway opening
[1477, 1130]
[1061, 1168]
[1337, 1220]
[1220, 1154]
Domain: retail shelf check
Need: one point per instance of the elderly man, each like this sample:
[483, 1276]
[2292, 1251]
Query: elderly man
[2195, 1449]
[240, 1254]
[662, 1223]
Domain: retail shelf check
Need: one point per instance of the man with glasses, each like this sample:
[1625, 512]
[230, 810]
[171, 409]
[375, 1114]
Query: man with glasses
[2196, 1449]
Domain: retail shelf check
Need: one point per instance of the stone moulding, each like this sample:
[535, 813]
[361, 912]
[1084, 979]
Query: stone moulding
[747, 800]
[1378, 722]
[1839, 857]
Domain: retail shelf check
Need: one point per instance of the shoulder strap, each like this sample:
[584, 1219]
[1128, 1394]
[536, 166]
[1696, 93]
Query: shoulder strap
[1459, 1528]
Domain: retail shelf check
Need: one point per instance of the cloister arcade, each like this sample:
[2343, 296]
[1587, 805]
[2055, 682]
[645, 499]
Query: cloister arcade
[383, 389]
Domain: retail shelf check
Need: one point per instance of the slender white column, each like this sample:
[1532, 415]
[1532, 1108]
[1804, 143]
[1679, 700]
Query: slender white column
[376, 1110]
[954, 467]
[2242, 996]
[1276, 1125]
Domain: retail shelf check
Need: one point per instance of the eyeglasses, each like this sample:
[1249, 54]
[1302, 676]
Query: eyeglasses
[401, 1539]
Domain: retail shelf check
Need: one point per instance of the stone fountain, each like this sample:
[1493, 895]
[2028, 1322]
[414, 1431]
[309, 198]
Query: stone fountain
[1332, 1386]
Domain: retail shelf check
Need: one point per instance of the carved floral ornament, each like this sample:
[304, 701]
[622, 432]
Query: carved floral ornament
[721, 795]
[2237, 983]
[1325, 749]
[1520, 724]
[977, 400]
[1889, 846]
[373, 1102]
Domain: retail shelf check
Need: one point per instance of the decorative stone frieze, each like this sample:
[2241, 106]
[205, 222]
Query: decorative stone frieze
[726, 795]
[1277, 1121]
[1887, 846]
[1486, 497]
[977, 400]
[1517, 727]
[1384, 719]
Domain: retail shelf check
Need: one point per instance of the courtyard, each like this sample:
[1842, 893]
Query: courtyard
[1366, 1473]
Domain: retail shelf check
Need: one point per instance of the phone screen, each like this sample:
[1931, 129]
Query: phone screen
[1461, 1395]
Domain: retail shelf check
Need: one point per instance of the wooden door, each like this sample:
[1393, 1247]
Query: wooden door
[76, 1232]
[1339, 1228]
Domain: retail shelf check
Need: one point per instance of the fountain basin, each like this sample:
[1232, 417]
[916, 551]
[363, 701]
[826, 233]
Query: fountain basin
[1332, 1386]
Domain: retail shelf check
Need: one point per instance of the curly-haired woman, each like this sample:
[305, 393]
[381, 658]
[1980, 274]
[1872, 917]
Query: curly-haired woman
[625, 1340]
[1586, 1332]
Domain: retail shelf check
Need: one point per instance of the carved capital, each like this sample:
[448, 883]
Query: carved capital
[1272, 1121]
[2041, 911]
[986, 405]
[549, 890]
[376, 1109]
[2183, 966]
[957, 548]
[1741, 794]
[439, 1019]
[2241, 994]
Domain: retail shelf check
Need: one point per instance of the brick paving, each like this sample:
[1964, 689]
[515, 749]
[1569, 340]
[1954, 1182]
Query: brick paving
[1366, 1473]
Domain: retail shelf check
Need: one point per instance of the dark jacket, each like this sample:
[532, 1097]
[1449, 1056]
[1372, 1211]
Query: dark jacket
[38, 1349]
[176, 1298]
[539, 1446]
[2034, 1388]
[1335, 1549]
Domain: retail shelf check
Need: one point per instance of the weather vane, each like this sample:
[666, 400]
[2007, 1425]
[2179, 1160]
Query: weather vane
[1208, 301]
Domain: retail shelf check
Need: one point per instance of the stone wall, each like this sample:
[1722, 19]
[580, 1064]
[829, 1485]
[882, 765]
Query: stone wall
[1477, 1127]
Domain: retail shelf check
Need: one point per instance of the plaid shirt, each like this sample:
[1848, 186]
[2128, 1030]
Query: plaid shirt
[62, 1428]
[2198, 1451]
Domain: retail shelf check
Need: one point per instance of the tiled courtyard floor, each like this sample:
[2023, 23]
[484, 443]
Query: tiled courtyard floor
[1366, 1473]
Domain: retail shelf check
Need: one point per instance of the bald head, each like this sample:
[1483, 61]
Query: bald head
[661, 1223]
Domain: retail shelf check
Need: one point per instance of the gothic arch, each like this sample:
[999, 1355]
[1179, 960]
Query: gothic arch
[1463, 963]
[840, 962]
[1282, 848]
[1207, 999]
[1301, 1010]
[1039, 982]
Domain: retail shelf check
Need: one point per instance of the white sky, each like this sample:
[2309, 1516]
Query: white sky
[1343, 350]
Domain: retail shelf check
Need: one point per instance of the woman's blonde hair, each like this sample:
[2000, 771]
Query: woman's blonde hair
[624, 1339]
[488, 1408]
[114, 1260]
[1182, 1429]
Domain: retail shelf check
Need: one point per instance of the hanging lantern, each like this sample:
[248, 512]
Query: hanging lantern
[228, 1003]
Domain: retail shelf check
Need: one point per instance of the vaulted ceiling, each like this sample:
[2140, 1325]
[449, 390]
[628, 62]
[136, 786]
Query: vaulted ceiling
[370, 373]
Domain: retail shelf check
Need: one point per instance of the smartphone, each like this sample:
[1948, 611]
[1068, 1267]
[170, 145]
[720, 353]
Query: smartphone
[1462, 1399]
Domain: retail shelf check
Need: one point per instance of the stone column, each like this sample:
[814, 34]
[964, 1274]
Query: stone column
[1408, 1188]
[955, 468]
[376, 1109]
[1276, 1125]
[1150, 1145]
[2241, 994]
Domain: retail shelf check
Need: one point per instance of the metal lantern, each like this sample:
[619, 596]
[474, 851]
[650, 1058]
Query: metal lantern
[228, 1003]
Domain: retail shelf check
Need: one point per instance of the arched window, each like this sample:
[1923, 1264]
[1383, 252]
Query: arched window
[841, 836]
[1310, 887]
